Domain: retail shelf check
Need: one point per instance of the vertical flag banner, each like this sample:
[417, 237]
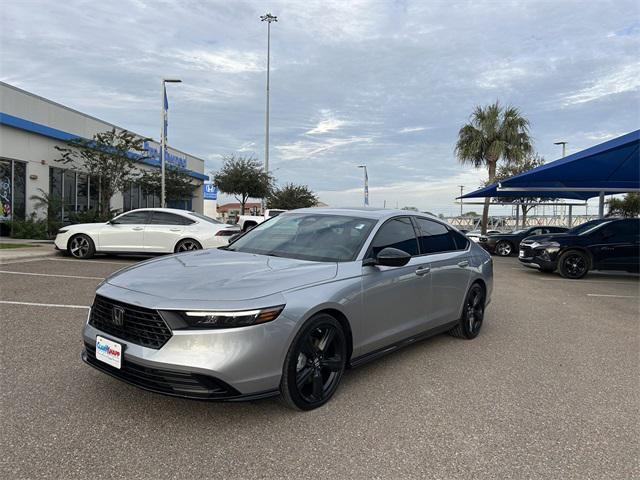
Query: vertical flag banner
[366, 188]
[166, 108]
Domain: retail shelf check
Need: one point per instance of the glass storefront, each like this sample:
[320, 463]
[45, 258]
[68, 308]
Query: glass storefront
[73, 191]
[135, 197]
[13, 178]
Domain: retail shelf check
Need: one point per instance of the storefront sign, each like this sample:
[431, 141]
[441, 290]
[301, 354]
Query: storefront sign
[210, 192]
[153, 150]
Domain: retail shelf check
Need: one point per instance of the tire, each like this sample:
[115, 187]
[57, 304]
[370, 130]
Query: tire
[504, 248]
[81, 247]
[187, 245]
[312, 372]
[474, 303]
[573, 264]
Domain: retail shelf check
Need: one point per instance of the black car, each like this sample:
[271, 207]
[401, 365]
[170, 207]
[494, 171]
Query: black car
[504, 244]
[604, 244]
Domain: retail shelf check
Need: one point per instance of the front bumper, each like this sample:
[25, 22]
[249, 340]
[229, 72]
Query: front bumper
[537, 258]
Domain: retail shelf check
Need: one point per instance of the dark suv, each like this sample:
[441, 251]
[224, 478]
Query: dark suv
[504, 244]
[604, 244]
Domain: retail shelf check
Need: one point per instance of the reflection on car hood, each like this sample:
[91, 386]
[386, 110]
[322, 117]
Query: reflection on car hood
[221, 275]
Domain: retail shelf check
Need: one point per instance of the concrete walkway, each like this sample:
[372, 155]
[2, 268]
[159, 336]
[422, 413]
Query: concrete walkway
[37, 249]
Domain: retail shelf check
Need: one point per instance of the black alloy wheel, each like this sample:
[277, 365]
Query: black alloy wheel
[573, 264]
[504, 248]
[187, 245]
[81, 246]
[314, 364]
[472, 314]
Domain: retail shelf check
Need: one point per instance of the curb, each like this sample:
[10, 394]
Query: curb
[24, 256]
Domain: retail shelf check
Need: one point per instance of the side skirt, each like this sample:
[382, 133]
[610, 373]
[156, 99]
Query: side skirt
[368, 357]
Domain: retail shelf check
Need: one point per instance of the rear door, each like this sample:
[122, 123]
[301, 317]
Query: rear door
[618, 245]
[164, 231]
[125, 233]
[450, 261]
[395, 299]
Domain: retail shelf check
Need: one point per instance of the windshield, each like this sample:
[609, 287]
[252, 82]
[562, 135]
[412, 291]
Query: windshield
[307, 236]
[205, 218]
[587, 227]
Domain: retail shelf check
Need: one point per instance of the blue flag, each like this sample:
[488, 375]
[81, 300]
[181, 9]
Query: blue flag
[366, 188]
[166, 108]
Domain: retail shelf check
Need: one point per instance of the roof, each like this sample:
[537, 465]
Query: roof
[611, 167]
[364, 212]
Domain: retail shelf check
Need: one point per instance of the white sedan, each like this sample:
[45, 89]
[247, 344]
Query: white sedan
[146, 230]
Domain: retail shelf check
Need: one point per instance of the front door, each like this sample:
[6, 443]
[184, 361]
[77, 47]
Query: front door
[395, 299]
[125, 233]
[617, 245]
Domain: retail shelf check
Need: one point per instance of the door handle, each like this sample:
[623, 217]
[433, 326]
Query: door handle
[137, 229]
[174, 229]
[422, 270]
[463, 263]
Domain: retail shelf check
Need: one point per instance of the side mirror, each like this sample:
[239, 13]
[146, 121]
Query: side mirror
[390, 257]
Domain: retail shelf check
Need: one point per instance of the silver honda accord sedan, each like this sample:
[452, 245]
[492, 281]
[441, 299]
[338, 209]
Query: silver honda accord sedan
[288, 306]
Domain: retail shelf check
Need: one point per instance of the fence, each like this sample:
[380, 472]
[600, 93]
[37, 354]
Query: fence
[508, 222]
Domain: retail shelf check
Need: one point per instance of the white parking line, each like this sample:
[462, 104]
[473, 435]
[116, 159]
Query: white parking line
[610, 296]
[86, 261]
[51, 275]
[8, 302]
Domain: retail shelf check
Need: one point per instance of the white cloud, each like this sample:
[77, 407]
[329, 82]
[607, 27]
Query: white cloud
[328, 123]
[305, 149]
[412, 129]
[627, 79]
[226, 61]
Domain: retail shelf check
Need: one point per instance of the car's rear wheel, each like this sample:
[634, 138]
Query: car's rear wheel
[314, 364]
[187, 245]
[81, 246]
[504, 248]
[470, 322]
[573, 264]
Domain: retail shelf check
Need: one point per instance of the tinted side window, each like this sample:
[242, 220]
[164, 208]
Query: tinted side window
[396, 233]
[133, 218]
[536, 231]
[623, 230]
[164, 218]
[460, 240]
[434, 237]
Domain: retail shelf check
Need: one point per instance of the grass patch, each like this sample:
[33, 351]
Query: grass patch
[4, 246]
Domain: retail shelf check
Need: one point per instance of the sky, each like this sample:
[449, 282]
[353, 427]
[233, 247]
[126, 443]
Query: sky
[382, 83]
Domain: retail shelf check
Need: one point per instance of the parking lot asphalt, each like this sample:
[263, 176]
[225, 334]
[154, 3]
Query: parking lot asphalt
[550, 389]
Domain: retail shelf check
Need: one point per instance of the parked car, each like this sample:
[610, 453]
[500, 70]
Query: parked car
[605, 244]
[505, 244]
[288, 306]
[476, 234]
[245, 222]
[146, 230]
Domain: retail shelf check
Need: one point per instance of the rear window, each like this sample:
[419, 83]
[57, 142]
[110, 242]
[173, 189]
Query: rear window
[434, 237]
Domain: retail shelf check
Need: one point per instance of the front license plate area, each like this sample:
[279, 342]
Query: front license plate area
[521, 255]
[109, 352]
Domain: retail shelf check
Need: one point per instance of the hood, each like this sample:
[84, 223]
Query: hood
[545, 238]
[220, 275]
[85, 227]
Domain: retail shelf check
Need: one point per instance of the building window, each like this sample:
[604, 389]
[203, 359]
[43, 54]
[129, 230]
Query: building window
[13, 177]
[73, 191]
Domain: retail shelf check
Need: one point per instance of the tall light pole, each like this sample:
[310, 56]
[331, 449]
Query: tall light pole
[163, 136]
[564, 147]
[267, 18]
[461, 190]
[366, 185]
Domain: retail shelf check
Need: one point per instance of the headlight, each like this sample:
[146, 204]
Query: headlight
[545, 245]
[63, 230]
[227, 319]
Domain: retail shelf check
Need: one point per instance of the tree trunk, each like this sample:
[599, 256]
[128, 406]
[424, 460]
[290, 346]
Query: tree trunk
[525, 209]
[242, 203]
[485, 212]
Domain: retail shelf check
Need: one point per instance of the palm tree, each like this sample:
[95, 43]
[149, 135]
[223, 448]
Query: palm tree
[494, 133]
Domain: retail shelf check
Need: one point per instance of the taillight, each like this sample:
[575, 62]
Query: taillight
[225, 233]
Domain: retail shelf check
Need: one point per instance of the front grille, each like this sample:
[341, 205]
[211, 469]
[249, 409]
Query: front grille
[138, 325]
[527, 251]
[170, 382]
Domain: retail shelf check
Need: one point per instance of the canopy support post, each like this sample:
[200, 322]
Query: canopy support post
[517, 215]
[570, 217]
[601, 206]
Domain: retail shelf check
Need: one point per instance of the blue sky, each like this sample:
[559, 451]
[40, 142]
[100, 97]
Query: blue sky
[386, 83]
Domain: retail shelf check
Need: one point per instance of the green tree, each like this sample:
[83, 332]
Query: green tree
[109, 156]
[627, 206]
[178, 184]
[508, 170]
[493, 134]
[291, 196]
[244, 178]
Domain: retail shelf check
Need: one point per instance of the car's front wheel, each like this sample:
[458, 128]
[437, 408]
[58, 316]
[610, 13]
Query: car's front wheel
[573, 264]
[81, 246]
[314, 364]
[504, 248]
[470, 322]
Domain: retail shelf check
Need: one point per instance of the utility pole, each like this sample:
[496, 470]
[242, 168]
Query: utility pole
[366, 185]
[564, 147]
[163, 137]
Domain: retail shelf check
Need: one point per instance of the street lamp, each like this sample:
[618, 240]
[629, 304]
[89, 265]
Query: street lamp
[163, 136]
[267, 18]
[564, 147]
[366, 185]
